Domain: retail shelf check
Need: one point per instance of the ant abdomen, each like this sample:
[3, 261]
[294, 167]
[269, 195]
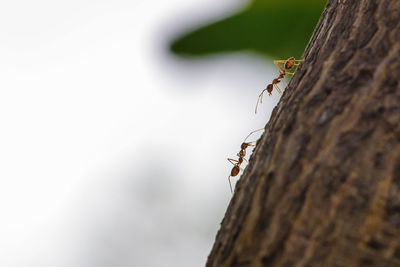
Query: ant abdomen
[235, 171]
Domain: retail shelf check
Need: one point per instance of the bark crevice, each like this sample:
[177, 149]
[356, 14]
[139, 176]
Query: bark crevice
[322, 187]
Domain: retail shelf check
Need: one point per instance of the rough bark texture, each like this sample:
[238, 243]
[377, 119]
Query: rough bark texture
[322, 187]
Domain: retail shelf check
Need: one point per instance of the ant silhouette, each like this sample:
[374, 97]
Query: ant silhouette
[287, 65]
[241, 154]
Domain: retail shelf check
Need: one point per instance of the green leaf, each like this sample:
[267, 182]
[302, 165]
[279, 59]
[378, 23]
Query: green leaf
[273, 28]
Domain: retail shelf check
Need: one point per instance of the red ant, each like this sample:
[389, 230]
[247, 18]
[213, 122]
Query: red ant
[288, 64]
[242, 153]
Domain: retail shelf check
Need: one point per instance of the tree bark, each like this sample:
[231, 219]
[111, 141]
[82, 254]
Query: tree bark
[322, 186]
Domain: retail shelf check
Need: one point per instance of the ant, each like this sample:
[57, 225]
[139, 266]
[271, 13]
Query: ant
[241, 154]
[288, 64]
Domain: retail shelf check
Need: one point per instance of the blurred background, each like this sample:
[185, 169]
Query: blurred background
[117, 118]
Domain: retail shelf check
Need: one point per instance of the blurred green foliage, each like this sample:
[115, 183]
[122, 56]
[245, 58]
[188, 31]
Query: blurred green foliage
[274, 28]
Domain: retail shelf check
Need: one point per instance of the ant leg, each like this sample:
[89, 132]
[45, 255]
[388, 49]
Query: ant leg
[233, 161]
[261, 96]
[276, 62]
[230, 184]
[284, 61]
[277, 89]
[298, 61]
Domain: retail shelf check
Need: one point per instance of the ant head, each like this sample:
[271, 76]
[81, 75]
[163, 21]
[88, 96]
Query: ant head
[244, 145]
[289, 63]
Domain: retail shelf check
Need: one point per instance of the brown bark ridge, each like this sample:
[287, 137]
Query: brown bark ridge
[322, 187]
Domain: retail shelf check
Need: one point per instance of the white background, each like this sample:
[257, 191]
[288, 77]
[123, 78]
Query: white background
[112, 150]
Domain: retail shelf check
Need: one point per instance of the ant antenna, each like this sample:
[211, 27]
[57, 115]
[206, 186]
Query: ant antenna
[252, 133]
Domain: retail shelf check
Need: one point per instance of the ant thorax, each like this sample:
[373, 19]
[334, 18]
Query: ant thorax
[241, 153]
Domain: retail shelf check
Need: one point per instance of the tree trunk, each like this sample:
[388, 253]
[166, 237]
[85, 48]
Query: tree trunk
[322, 187]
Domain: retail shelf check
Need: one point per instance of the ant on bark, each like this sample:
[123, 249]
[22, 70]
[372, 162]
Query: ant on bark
[241, 154]
[288, 64]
